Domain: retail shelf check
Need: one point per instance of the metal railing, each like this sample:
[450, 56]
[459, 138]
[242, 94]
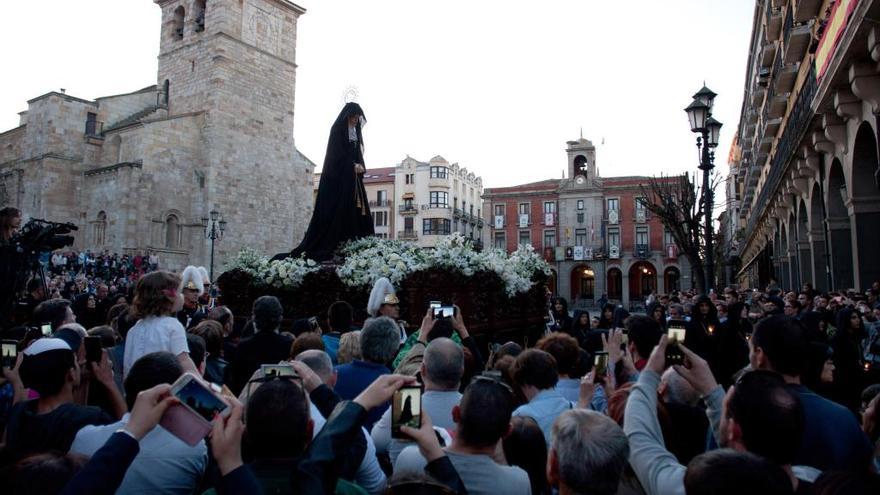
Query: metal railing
[798, 122]
[94, 128]
[642, 251]
[407, 234]
[410, 208]
[377, 203]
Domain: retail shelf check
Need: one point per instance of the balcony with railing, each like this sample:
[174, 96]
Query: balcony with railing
[94, 128]
[407, 209]
[380, 203]
[784, 74]
[642, 251]
[549, 218]
[805, 10]
[407, 235]
[768, 52]
[797, 38]
[799, 120]
[774, 22]
[457, 212]
[776, 106]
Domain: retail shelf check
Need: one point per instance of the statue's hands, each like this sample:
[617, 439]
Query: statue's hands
[359, 169]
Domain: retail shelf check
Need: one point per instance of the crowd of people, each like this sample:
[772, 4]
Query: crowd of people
[773, 393]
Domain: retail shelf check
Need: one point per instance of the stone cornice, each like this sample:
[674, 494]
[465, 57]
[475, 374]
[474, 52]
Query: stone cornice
[113, 168]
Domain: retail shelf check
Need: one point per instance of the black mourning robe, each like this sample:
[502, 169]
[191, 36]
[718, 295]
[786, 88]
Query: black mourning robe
[342, 212]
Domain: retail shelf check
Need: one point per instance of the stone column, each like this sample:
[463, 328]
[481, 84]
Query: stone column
[819, 262]
[841, 252]
[865, 235]
[805, 269]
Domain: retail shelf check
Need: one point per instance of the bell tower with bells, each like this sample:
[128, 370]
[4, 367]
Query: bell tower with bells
[581, 161]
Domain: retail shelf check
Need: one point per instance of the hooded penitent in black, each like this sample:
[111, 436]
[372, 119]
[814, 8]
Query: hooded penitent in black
[341, 211]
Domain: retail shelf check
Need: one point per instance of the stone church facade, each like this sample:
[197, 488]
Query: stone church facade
[140, 172]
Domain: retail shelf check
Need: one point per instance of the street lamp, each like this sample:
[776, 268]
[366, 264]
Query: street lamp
[699, 114]
[214, 227]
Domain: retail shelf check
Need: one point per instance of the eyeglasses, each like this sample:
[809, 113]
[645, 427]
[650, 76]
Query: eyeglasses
[492, 379]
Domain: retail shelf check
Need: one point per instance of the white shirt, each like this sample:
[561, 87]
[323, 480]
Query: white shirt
[164, 463]
[153, 334]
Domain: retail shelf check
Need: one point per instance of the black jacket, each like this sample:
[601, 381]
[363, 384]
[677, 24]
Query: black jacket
[264, 347]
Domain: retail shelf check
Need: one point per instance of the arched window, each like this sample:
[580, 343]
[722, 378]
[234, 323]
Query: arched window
[200, 15]
[99, 237]
[172, 232]
[114, 150]
[179, 17]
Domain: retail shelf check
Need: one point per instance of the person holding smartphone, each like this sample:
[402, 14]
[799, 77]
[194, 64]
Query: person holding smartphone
[49, 367]
[164, 464]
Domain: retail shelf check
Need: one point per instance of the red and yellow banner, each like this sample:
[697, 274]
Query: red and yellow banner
[835, 28]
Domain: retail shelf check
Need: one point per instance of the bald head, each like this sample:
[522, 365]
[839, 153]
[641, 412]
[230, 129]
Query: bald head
[319, 362]
[443, 363]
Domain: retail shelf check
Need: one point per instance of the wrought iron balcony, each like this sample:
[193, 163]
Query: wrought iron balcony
[407, 209]
[642, 251]
[774, 22]
[407, 235]
[383, 203]
[94, 128]
[806, 9]
[797, 40]
[456, 213]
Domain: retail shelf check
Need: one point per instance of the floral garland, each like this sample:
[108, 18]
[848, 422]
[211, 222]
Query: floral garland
[370, 258]
[280, 274]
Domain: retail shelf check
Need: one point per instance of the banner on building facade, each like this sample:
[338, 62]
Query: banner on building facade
[834, 30]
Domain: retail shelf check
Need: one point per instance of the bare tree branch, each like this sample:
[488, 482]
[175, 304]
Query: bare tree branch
[676, 202]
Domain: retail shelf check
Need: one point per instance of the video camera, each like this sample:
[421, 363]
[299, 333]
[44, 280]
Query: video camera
[39, 236]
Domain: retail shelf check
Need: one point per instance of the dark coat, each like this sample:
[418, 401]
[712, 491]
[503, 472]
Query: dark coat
[342, 212]
[264, 347]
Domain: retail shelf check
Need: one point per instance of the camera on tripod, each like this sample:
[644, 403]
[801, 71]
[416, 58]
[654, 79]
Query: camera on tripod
[38, 236]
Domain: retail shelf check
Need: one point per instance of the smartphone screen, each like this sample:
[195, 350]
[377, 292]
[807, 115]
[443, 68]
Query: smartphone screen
[271, 370]
[406, 410]
[444, 312]
[93, 349]
[8, 353]
[675, 334]
[600, 363]
[435, 304]
[200, 399]
[47, 330]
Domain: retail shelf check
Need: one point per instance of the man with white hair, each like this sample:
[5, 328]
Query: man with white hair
[441, 371]
[588, 453]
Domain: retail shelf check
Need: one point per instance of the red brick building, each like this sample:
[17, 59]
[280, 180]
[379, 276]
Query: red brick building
[592, 230]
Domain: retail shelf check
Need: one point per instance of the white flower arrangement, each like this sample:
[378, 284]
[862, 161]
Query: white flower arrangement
[368, 259]
[280, 274]
[287, 273]
[248, 259]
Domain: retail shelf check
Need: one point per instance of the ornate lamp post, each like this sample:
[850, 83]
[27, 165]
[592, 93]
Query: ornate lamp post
[214, 227]
[699, 114]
